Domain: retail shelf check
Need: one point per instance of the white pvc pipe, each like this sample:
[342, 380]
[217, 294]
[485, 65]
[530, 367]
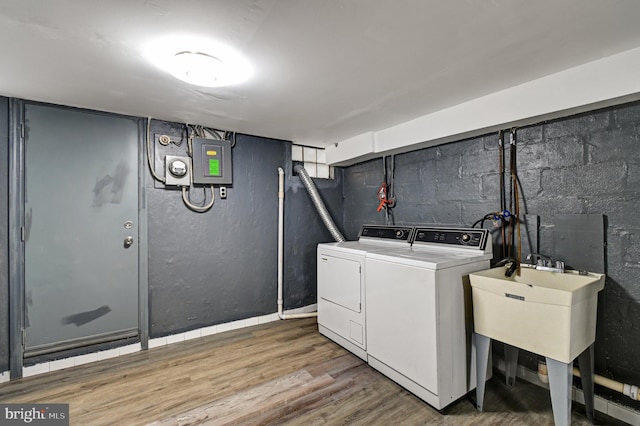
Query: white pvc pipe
[280, 236]
[281, 251]
[629, 390]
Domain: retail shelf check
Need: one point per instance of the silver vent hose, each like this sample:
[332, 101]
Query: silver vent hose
[317, 201]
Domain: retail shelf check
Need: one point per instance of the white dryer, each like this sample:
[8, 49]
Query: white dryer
[419, 319]
[341, 275]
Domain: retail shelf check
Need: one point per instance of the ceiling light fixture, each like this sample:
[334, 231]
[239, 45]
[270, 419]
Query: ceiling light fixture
[199, 61]
[197, 68]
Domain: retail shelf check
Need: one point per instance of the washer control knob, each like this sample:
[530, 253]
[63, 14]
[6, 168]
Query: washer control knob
[465, 238]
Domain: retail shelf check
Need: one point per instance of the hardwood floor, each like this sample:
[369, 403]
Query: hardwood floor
[278, 373]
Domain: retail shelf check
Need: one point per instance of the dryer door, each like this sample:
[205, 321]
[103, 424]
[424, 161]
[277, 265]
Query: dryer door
[339, 281]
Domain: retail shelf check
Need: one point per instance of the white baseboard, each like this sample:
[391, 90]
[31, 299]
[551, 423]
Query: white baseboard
[602, 405]
[304, 310]
[5, 376]
[213, 329]
[75, 361]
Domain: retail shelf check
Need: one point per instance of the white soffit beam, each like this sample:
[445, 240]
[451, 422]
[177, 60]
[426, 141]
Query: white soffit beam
[605, 82]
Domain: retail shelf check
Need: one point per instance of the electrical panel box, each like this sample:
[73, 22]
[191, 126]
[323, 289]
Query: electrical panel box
[212, 162]
[177, 170]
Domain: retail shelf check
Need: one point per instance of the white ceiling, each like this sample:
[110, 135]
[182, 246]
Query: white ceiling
[325, 70]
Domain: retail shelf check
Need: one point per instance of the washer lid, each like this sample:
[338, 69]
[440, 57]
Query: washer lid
[430, 258]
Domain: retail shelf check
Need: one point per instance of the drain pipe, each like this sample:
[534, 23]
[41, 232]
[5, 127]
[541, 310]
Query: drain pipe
[629, 390]
[281, 315]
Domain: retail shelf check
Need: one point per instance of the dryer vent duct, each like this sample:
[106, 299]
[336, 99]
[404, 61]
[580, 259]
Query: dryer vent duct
[317, 201]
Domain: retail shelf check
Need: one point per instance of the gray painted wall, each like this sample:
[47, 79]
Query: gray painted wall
[4, 237]
[584, 164]
[220, 266]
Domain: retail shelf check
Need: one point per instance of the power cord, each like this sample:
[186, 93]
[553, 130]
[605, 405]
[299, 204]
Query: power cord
[195, 208]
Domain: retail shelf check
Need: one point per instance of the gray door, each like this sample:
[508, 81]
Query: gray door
[81, 221]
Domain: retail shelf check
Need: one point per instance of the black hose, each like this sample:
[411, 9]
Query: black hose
[502, 195]
[512, 158]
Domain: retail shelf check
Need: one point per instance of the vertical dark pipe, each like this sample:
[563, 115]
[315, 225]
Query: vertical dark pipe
[502, 195]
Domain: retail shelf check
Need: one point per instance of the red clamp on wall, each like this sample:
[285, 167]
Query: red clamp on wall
[382, 196]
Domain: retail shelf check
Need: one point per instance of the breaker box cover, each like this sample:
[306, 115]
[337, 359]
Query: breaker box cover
[212, 162]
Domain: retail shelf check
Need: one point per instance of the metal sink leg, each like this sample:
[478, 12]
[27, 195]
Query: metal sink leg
[560, 378]
[511, 363]
[585, 363]
[483, 344]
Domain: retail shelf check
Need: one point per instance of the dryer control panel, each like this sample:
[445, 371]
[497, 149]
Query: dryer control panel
[396, 233]
[472, 238]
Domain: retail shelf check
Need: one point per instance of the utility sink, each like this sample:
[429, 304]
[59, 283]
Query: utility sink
[549, 313]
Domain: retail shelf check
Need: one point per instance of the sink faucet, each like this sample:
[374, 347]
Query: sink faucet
[545, 263]
[514, 265]
[534, 258]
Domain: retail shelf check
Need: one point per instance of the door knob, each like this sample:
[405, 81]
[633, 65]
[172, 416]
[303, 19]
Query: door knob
[128, 241]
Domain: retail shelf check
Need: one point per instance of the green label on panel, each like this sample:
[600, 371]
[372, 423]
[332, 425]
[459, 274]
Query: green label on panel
[214, 167]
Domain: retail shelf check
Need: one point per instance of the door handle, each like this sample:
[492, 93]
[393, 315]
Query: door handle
[128, 241]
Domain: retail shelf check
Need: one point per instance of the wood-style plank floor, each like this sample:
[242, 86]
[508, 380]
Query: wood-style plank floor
[281, 373]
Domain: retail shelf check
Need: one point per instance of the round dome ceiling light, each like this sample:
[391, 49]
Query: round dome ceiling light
[197, 68]
[199, 61]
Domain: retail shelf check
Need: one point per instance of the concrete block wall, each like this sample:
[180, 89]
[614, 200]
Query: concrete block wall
[586, 164]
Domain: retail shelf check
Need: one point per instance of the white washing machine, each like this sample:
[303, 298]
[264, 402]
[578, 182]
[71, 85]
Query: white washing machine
[419, 318]
[341, 275]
